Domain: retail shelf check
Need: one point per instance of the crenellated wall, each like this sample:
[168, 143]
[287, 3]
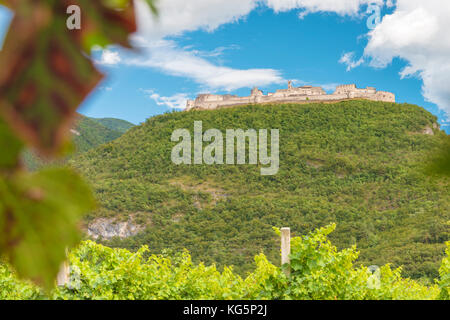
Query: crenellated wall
[289, 95]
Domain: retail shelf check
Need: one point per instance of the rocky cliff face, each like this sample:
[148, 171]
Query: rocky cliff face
[107, 228]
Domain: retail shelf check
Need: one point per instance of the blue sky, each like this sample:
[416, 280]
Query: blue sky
[259, 46]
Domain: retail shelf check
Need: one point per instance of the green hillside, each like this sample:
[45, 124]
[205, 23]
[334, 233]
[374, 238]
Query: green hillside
[92, 134]
[87, 134]
[115, 124]
[356, 163]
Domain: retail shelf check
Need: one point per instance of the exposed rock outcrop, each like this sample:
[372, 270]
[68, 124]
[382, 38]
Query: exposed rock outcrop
[428, 131]
[108, 228]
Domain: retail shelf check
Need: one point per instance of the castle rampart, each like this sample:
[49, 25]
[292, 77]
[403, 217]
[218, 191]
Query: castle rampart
[289, 95]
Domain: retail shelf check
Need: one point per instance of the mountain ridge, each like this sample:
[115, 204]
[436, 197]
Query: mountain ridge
[115, 124]
[87, 133]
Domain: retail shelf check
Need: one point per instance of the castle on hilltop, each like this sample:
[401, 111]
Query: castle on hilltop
[289, 95]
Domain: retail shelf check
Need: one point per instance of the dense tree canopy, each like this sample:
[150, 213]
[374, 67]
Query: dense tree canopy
[357, 163]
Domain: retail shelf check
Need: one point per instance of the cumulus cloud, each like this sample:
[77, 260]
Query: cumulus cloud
[341, 7]
[417, 32]
[179, 16]
[349, 60]
[176, 101]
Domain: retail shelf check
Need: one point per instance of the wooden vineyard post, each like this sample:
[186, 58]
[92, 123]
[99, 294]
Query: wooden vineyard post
[286, 248]
[63, 276]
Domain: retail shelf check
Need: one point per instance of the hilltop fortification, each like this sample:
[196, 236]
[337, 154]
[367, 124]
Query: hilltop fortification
[289, 95]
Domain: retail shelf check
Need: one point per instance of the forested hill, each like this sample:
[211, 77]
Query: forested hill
[87, 134]
[115, 124]
[356, 163]
[90, 133]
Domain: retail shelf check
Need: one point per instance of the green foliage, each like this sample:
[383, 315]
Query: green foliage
[356, 163]
[44, 76]
[93, 133]
[318, 271]
[11, 288]
[115, 124]
[8, 141]
[444, 272]
[88, 133]
[39, 214]
[119, 274]
[439, 162]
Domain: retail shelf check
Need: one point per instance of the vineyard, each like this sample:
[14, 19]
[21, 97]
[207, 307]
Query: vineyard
[317, 271]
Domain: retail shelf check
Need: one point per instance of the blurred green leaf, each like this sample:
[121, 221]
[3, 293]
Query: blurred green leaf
[38, 218]
[44, 77]
[12, 145]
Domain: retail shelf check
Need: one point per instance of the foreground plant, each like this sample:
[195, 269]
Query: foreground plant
[318, 271]
[45, 74]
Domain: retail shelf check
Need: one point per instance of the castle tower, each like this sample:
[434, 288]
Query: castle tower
[190, 104]
[256, 92]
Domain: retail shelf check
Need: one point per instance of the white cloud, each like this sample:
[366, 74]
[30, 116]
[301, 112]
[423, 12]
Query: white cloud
[348, 59]
[167, 57]
[341, 7]
[109, 57]
[390, 3]
[178, 16]
[217, 52]
[417, 31]
[177, 101]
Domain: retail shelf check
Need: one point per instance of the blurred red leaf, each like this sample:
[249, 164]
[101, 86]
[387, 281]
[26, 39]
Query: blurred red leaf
[44, 74]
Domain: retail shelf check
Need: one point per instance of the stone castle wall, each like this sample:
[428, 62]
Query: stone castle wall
[289, 95]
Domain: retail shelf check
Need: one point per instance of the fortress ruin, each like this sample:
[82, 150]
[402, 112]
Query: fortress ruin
[289, 95]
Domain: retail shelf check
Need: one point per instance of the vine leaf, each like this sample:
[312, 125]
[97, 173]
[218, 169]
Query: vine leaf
[45, 75]
[39, 214]
[9, 142]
